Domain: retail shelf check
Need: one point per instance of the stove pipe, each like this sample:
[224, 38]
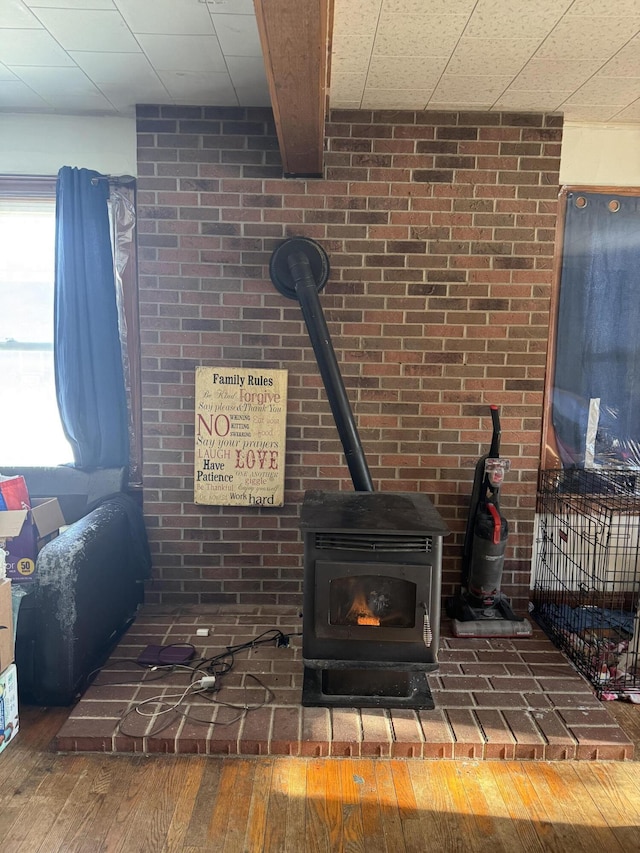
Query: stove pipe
[299, 269]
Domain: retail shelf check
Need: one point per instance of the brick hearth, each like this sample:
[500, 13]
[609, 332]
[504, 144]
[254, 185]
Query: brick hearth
[495, 699]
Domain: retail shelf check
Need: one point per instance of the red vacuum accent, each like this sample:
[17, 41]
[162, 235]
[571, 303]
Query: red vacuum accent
[497, 523]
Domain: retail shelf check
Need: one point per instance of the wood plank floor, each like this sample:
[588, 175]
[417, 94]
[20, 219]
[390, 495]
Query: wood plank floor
[88, 803]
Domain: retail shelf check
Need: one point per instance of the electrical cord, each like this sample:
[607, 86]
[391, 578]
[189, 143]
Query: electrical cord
[211, 670]
[163, 671]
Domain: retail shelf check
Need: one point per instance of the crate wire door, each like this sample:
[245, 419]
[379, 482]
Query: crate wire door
[586, 589]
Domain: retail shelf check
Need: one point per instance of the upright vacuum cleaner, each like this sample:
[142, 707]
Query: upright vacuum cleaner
[481, 610]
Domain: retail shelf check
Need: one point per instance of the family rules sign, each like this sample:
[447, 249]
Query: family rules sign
[240, 432]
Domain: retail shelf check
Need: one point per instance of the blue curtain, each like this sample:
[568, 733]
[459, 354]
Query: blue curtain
[598, 339]
[87, 354]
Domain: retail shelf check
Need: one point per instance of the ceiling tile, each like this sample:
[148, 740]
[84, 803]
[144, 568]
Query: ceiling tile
[502, 56]
[430, 8]
[407, 35]
[70, 4]
[247, 71]
[515, 19]
[183, 53]
[89, 29]
[125, 97]
[535, 100]
[577, 112]
[565, 73]
[203, 88]
[589, 37]
[626, 62]
[131, 68]
[16, 94]
[604, 7]
[347, 86]
[6, 73]
[231, 7]
[457, 106]
[630, 113]
[607, 90]
[356, 18]
[351, 53]
[237, 34]
[66, 87]
[411, 72]
[31, 47]
[178, 17]
[472, 89]
[395, 99]
[13, 13]
[253, 96]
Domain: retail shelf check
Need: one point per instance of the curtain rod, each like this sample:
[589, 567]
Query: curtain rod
[117, 180]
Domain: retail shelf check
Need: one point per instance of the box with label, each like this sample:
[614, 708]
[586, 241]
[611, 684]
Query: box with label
[6, 625]
[24, 531]
[9, 721]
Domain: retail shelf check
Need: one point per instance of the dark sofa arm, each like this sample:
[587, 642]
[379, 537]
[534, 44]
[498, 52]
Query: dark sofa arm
[88, 586]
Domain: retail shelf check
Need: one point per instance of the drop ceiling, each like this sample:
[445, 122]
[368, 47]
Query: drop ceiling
[101, 57]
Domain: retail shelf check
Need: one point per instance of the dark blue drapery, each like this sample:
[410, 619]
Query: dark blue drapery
[598, 340]
[87, 354]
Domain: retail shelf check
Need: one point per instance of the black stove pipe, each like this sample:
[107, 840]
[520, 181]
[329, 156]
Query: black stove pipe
[299, 268]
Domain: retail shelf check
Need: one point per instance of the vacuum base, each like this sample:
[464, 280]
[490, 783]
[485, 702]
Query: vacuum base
[499, 620]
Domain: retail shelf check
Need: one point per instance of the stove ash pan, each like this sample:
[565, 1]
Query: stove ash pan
[372, 581]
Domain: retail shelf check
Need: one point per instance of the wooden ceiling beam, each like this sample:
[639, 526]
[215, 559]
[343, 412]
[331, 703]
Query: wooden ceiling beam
[295, 37]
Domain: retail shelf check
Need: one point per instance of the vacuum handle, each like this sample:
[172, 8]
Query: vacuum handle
[494, 450]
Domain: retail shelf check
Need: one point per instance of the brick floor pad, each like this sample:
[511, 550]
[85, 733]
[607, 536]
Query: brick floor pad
[495, 699]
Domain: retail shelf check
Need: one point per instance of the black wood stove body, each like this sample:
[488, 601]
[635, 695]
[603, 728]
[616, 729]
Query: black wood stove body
[372, 586]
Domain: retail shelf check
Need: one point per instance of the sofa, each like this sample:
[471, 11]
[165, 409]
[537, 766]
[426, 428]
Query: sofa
[88, 583]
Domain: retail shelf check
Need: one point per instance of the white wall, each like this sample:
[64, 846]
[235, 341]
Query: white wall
[600, 155]
[33, 144]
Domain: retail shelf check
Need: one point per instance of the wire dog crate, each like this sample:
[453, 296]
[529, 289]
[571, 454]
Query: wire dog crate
[586, 585]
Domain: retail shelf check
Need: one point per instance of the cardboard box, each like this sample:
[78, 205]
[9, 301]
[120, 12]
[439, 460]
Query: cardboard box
[6, 625]
[24, 531]
[9, 720]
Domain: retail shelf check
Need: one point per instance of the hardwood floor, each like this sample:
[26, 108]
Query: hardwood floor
[88, 803]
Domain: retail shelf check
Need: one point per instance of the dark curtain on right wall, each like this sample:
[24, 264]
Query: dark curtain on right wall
[596, 394]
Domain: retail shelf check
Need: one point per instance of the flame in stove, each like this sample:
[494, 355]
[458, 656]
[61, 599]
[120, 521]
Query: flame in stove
[360, 612]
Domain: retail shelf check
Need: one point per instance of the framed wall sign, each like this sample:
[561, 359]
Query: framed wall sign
[240, 430]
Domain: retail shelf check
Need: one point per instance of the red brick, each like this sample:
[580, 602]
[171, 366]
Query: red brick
[500, 742]
[469, 739]
[346, 732]
[285, 733]
[408, 737]
[438, 737]
[377, 733]
[316, 732]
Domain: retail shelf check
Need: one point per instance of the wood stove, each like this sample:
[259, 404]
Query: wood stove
[373, 560]
[372, 585]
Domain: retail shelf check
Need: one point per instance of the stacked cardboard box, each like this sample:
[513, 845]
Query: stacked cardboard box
[25, 526]
[9, 721]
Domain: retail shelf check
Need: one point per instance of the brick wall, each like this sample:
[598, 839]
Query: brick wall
[440, 230]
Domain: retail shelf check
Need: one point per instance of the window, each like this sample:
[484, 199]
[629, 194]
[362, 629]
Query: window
[30, 428]
[31, 432]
